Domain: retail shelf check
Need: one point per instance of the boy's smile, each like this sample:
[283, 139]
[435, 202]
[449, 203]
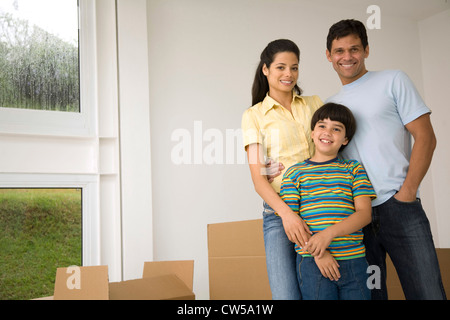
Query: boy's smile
[328, 137]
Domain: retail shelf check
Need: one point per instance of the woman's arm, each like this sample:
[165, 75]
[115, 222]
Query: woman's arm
[296, 229]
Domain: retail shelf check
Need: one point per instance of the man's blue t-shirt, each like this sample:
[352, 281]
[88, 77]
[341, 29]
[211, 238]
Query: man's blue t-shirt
[382, 102]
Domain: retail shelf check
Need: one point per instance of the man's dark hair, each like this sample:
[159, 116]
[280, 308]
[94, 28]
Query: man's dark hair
[336, 112]
[344, 28]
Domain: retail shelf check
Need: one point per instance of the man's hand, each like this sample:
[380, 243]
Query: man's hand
[405, 196]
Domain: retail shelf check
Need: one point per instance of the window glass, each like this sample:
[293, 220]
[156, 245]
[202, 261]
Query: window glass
[40, 230]
[39, 60]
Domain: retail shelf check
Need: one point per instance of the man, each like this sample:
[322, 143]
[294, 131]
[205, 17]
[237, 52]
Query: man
[388, 111]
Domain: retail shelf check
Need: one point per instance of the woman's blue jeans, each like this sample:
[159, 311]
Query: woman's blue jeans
[280, 258]
[403, 231]
[352, 285]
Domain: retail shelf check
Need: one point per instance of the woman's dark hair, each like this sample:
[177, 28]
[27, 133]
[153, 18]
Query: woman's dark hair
[260, 84]
[336, 112]
[344, 28]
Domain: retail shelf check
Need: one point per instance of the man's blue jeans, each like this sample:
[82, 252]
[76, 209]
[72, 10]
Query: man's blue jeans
[352, 285]
[403, 231]
[280, 258]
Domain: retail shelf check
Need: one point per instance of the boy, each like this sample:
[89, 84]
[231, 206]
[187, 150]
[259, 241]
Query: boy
[333, 197]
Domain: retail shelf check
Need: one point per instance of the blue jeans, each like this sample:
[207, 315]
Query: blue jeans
[352, 285]
[403, 231]
[280, 258]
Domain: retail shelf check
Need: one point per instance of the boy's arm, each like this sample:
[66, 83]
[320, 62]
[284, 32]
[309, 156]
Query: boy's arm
[328, 266]
[362, 216]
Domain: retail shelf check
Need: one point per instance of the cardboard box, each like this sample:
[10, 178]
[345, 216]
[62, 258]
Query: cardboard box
[165, 280]
[237, 265]
[81, 283]
[237, 261]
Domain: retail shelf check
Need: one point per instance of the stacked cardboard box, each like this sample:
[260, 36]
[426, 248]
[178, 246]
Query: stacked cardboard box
[237, 261]
[237, 267]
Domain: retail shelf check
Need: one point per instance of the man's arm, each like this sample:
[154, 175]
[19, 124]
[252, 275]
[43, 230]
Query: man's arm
[422, 153]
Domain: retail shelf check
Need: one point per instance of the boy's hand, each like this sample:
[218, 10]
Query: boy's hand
[328, 266]
[318, 243]
[273, 169]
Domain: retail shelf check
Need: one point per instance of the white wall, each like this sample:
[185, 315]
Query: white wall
[435, 45]
[202, 57]
[171, 66]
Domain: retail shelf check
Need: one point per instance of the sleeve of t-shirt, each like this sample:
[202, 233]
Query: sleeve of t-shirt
[410, 105]
[251, 132]
[289, 193]
[361, 183]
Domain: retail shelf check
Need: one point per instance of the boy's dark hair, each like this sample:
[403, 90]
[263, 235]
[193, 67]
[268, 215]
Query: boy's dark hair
[336, 112]
[344, 28]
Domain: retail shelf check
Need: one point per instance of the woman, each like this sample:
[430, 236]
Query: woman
[278, 127]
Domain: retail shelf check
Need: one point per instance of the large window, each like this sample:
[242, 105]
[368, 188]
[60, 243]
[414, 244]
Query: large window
[39, 55]
[48, 88]
[47, 67]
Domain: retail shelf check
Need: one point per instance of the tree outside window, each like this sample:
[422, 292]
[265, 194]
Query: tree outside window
[39, 60]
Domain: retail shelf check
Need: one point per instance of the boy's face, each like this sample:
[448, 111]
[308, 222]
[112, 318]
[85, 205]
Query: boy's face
[347, 56]
[328, 137]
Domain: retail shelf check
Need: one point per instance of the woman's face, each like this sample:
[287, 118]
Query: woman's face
[282, 74]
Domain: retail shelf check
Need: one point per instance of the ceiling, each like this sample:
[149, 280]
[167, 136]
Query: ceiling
[415, 9]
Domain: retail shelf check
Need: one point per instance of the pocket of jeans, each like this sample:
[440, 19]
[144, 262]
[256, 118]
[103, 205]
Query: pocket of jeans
[267, 210]
[405, 202]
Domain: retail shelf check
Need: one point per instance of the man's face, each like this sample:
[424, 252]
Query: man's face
[347, 56]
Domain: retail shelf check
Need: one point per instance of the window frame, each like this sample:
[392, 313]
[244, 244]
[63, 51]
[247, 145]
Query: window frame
[90, 218]
[58, 123]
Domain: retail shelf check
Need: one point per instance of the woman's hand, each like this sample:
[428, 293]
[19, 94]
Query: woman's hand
[296, 229]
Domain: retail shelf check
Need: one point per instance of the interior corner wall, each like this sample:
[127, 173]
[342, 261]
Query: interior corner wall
[134, 136]
[435, 46]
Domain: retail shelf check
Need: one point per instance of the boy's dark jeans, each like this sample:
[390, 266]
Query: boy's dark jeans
[403, 231]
